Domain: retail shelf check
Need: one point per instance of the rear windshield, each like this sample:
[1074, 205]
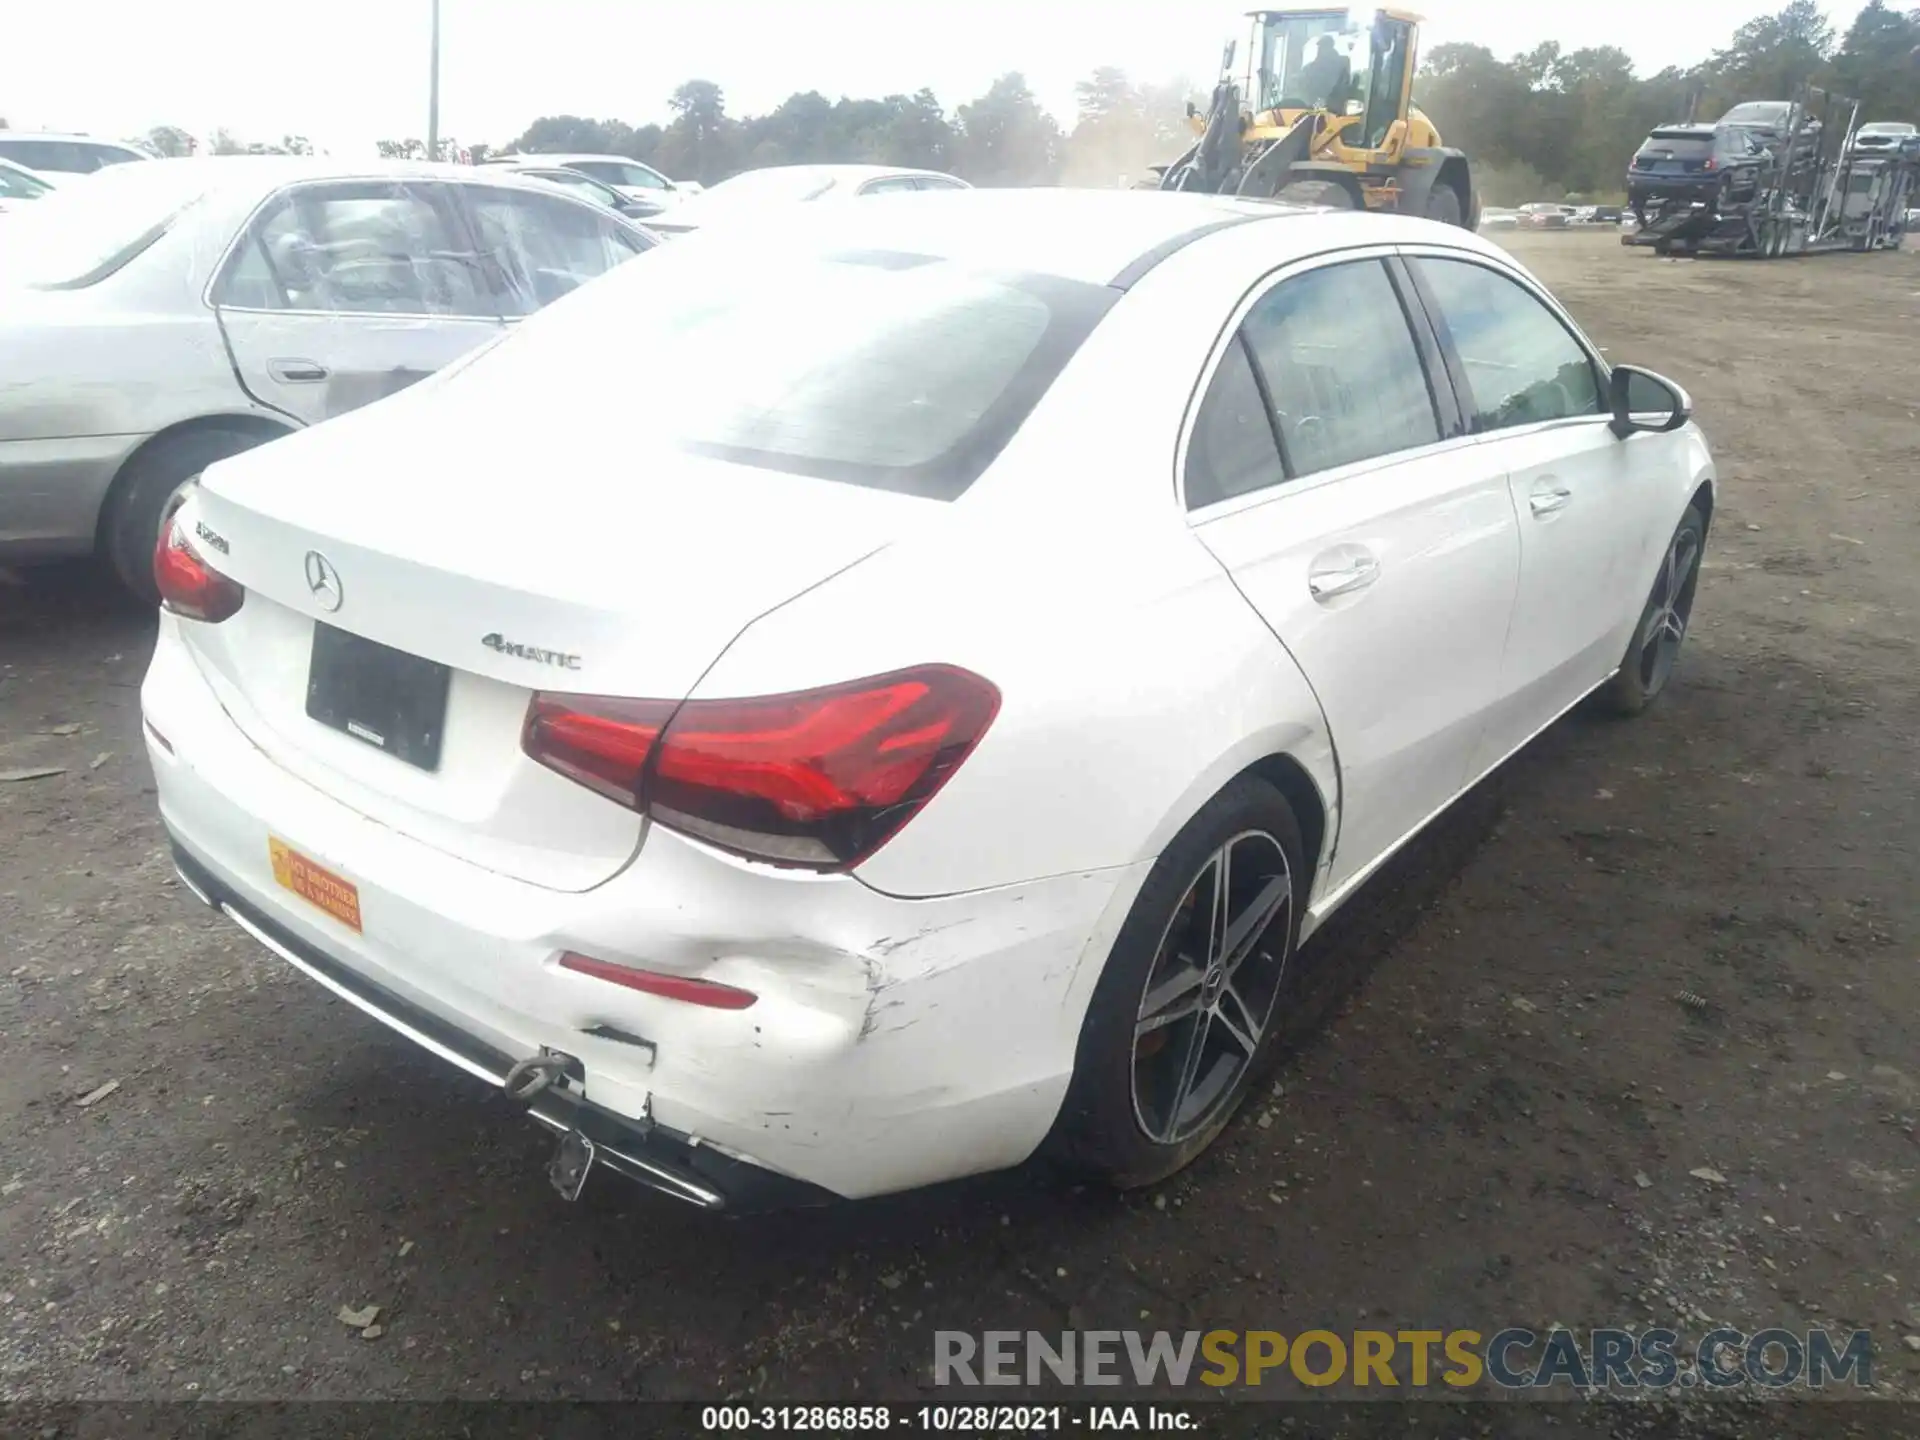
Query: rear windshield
[901, 372]
[83, 231]
[1757, 112]
[1683, 145]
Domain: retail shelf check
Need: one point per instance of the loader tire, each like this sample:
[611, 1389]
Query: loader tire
[1444, 205]
[1329, 193]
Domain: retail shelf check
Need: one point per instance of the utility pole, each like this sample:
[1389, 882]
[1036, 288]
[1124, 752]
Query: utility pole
[433, 90]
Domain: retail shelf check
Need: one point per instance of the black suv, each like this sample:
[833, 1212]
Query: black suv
[1677, 165]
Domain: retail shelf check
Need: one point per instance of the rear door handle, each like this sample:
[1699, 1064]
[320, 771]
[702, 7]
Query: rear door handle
[1342, 573]
[1549, 496]
[297, 372]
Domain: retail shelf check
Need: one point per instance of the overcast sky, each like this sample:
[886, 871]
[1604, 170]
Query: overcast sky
[346, 72]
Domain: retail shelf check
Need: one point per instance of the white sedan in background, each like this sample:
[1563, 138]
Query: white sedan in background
[1034, 613]
[753, 194]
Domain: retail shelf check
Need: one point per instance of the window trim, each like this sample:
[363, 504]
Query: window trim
[1456, 364]
[1298, 484]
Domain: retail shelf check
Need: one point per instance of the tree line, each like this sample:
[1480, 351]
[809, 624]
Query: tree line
[1546, 124]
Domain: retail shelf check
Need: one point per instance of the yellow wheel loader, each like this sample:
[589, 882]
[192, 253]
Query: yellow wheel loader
[1324, 116]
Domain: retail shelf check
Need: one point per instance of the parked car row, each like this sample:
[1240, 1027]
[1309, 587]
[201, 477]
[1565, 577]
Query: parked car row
[1742, 156]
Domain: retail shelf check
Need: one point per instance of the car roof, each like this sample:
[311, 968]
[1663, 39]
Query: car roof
[220, 171]
[249, 178]
[1100, 237]
[842, 172]
[563, 160]
[73, 138]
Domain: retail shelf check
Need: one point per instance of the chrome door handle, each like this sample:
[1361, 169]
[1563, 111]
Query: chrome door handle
[297, 372]
[1548, 499]
[1355, 573]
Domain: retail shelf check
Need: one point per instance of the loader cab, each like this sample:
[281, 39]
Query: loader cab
[1356, 68]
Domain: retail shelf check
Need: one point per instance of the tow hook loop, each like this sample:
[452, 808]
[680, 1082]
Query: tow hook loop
[572, 1160]
[537, 1073]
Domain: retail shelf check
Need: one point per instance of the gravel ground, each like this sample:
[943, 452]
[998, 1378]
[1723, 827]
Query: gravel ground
[1645, 954]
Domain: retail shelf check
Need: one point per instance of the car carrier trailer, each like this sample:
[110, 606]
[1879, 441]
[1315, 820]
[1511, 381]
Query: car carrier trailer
[1824, 194]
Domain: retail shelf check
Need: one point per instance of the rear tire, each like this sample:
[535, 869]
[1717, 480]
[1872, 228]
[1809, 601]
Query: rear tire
[1443, 205]
[1140, 1108]
[144, 496]
[1329, 193]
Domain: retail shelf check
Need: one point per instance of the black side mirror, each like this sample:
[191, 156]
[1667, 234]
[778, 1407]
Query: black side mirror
[1643, 400]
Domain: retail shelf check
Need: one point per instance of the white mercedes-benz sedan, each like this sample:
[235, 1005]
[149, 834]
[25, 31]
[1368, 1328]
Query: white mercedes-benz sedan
[1031, 614]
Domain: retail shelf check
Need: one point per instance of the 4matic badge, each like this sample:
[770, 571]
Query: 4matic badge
[500, 645]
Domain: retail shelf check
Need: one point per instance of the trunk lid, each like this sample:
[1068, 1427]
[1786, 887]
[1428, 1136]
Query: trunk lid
[521, 555]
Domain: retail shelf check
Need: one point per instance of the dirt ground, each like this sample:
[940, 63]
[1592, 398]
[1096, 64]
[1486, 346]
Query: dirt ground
[1647, 949]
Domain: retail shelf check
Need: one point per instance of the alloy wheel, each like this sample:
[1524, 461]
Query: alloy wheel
[1672, 605]
[1211, 990]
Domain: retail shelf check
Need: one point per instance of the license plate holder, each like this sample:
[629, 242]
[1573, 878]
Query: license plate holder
[381, 696]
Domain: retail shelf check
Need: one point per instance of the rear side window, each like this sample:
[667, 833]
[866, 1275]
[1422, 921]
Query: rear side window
[1522, 365]
[1232, 451]
[613, 172]
[547, 244]
[105, 155]
[1335, 352]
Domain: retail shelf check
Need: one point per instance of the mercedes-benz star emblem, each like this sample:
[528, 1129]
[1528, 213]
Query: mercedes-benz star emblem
[324, 581]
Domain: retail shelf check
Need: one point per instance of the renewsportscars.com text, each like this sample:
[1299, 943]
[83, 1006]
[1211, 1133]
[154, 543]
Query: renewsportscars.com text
[1511, 1359]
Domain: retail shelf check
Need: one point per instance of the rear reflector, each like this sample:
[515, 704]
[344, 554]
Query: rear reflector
[650, 982]
[188, 586]
[819, 779]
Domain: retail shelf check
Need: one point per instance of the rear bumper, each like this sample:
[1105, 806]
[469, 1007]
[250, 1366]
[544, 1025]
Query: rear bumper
[895, 1043]
[649, 1154]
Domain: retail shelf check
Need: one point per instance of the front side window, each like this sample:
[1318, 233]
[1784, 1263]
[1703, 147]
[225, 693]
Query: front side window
[549, 246]
[1523, 366]
[891, 184]
[365, 247]
[1335, 352]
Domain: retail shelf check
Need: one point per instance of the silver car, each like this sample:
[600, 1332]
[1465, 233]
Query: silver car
[156, 318]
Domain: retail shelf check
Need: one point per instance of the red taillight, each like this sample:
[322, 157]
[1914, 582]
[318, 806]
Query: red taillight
[819, 779]
[602, 743]
[709, 993]
[1710, 164]
[188, 586]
